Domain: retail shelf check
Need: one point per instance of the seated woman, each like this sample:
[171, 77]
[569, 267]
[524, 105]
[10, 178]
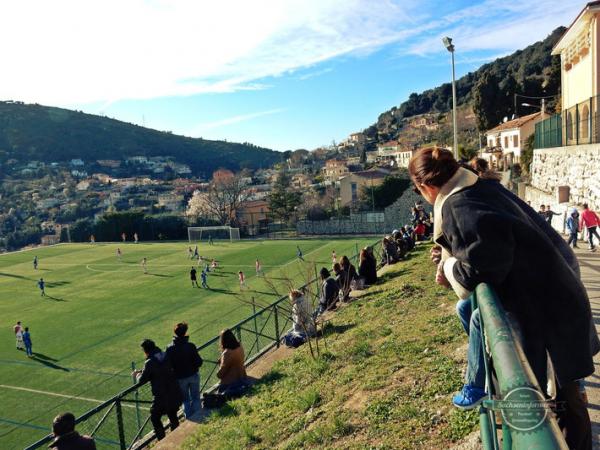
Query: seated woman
[232, 372]
[302, 320]
[343, 281]
[353, 277]
[329, 292]
[367, 268]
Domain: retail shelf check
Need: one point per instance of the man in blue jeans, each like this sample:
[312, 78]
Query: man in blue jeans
[186, 362]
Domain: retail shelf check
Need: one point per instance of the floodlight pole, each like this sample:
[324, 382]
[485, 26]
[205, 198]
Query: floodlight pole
[450, 47]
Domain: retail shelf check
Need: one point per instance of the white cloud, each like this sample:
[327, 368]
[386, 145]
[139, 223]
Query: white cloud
[74, 52]
[494, 25]
[231, 120]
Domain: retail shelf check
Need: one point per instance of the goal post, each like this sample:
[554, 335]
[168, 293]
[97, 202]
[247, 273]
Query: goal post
[197, 234]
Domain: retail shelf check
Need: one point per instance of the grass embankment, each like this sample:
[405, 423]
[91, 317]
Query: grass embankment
[394, 358]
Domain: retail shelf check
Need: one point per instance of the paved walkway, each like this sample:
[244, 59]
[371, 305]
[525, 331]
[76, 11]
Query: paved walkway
[590, 274]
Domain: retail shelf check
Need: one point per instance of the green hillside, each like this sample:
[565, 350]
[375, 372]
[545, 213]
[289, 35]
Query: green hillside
[394, 358]
[48, 134]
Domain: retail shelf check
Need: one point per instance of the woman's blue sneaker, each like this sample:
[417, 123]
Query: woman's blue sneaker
[469, 397]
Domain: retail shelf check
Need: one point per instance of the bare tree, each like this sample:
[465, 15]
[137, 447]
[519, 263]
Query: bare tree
[220, 200]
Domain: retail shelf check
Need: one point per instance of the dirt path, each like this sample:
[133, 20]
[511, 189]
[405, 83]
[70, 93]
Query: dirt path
[590, 274]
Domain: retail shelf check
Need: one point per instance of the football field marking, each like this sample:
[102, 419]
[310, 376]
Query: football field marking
[56, 394]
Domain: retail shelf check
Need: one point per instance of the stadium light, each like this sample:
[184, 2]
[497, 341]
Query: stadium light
[450, 47]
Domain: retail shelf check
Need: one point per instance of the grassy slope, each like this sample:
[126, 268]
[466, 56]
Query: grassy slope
[385, 382]
[85, 344]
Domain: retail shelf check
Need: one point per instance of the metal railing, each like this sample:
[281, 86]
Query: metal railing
[525, 418]
[577, 125]
[123, 420]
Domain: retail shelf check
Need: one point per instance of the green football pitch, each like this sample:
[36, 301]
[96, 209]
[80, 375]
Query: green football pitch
[87, 330]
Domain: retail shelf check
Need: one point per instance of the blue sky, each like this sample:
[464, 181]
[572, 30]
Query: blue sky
[284, 74]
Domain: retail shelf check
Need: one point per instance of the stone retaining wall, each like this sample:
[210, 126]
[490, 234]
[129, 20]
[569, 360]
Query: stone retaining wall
[577, 166]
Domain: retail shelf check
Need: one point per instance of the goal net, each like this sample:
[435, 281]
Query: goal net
[198, 234]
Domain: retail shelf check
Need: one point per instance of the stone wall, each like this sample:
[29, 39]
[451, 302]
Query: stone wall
[577, 167]
[398, 213]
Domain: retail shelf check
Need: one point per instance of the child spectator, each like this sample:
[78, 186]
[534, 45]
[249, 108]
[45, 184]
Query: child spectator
[573, 227]
[590, 220]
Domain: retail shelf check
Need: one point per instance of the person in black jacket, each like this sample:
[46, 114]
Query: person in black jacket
[185, 359]
[329, 292]
[491, 237]
[165, 390]
[367, 267]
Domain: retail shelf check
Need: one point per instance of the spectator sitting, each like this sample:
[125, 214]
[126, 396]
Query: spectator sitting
[401, 245]
[302, 319]
[65, 436]
[329, 292]
[232, 371]
[410, 243]
[165, 389]
[353, 277]
[367, 267]
[186, 361]
[390, 252]
[343, 281]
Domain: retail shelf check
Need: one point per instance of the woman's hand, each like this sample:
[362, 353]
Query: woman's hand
[440, 277]
[436, 254]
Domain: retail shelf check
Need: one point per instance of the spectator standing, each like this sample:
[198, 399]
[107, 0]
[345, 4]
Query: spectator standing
[27, 342]
[165, 389]
[589, 219]
[329, 291]
[573, 227]
[367, 267]
[232, 372]
[65, 436]
[548, 214]
[135, 238]
[19, 336]
[186, 362]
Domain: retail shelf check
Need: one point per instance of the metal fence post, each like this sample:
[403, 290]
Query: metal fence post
[137, 397]
[277, 336]
[120, 427]
[255, 324]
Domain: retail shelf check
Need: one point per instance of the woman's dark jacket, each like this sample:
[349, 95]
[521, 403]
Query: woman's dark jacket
[329, 293]
[368, 270]
[497, 239]
[165, 389]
